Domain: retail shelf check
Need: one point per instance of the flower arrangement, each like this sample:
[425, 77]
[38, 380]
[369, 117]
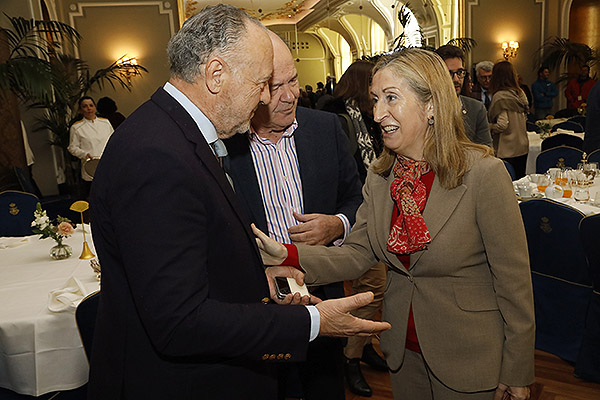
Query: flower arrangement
[57, 230]
[545, 128]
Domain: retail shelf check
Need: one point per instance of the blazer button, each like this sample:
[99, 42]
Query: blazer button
[265, 357]
[280, 356]
[265, 300]
[287, 356]
[410, 278]
[272, 357]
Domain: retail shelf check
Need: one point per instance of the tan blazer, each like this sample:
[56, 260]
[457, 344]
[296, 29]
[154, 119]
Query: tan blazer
[470, 290]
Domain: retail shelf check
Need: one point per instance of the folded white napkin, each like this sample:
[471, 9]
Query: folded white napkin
[10, 242]
[587, 209]
[67, 297]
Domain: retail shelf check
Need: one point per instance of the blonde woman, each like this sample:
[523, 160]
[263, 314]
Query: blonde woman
[439, 211]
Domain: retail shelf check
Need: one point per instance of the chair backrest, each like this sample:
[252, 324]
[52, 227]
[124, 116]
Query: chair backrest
[511, 170]
[562, 139]
[562, 286]
[594, 156]
[85, 315]
[569, 156]
[589, 230]
[553, 237]
[532, 127]
[580, 119]
[16, 213]
[587, 366]
[568, 126]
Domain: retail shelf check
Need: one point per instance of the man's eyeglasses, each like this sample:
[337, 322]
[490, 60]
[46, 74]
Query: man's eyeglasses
[461, 73]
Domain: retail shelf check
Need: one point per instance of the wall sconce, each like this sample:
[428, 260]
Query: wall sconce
[128, 67]
[510, 49]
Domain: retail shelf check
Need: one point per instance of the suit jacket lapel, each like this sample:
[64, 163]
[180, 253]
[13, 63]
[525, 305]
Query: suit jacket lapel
[203, 151]
[440, 206]
[306, 165]
[246, 181]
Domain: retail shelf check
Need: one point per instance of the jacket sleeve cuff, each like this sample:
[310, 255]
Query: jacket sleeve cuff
[292, 259]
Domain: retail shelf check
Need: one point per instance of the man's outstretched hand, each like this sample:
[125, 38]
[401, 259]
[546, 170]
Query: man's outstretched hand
[337, 321]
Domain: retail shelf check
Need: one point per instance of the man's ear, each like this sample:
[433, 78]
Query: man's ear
[214, 72]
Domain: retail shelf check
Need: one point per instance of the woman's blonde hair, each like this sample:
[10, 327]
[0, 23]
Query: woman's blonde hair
[446, 143]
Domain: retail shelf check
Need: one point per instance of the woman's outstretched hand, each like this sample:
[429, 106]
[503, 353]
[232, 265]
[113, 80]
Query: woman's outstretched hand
[272, 252]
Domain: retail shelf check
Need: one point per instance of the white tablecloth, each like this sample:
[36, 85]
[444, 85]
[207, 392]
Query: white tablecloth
[587, 207]
[40, 351]
[535, 147]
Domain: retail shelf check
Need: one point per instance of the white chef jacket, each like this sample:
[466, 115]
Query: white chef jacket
[89, 136]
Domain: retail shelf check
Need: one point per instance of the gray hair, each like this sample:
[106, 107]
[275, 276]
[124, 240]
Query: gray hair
[487, 66]
[218, 28]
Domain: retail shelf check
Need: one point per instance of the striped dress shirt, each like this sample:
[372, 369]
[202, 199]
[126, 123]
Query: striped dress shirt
[278, 173]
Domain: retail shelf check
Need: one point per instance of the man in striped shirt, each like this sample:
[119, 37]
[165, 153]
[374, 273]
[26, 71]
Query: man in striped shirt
[296, 174]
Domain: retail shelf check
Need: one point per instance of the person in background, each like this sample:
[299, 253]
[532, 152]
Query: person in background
[311, 95]
[508, 116]
[525, 90]
[88, 138]
[184, 311]
[353, 104]
[467, 88]
[578, 89]
[107, 108]
[481, 90]
[473, 111]
[296, 175]
[591, 140]
[544, 91]
[440, 211]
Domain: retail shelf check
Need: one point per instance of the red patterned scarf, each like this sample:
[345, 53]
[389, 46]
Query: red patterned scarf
[409, 233]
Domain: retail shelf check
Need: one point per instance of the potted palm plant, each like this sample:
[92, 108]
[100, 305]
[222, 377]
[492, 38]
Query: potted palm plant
[41, 74]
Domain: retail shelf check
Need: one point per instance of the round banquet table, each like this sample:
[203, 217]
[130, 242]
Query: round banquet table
[40, 350]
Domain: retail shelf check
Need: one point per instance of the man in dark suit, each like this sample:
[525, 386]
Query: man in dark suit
[183, 310]
[296, 174]
[473, 111]
[481, 90]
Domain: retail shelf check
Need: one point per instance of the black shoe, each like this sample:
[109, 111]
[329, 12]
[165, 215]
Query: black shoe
[355, 379]
[373, 359]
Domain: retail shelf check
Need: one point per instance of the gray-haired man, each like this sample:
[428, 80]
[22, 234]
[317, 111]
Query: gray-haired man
[483, 71]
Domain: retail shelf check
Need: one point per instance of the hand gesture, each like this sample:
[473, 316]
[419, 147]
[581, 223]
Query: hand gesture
[316, 229]
[337, 321]
[292, 298]
[272, 252]
[504, 392]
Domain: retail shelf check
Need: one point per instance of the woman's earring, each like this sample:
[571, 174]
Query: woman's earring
[430, 120]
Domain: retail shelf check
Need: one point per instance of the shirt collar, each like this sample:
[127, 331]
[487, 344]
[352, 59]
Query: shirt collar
[206, 127]
[289, 132]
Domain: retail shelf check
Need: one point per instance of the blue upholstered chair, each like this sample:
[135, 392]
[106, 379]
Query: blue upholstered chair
[562, 285]
[562, 139]
[594, 156]
[532, 127]
[16, 213]
[511, 170]
[580, 119]
[85, 315]
[588, 362]
[568, 125]
[569, 156]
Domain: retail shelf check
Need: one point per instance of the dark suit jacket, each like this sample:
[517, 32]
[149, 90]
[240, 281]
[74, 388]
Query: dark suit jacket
[180, 313]
[330, 183]
[476, 122]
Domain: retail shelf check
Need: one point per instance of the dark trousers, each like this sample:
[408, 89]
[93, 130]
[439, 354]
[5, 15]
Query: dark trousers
[519, 164]
[320, 377]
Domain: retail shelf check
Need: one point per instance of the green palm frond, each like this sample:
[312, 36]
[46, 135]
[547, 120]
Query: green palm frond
[558, 52]
[465, 43]
[27, 77]
[30, 37]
